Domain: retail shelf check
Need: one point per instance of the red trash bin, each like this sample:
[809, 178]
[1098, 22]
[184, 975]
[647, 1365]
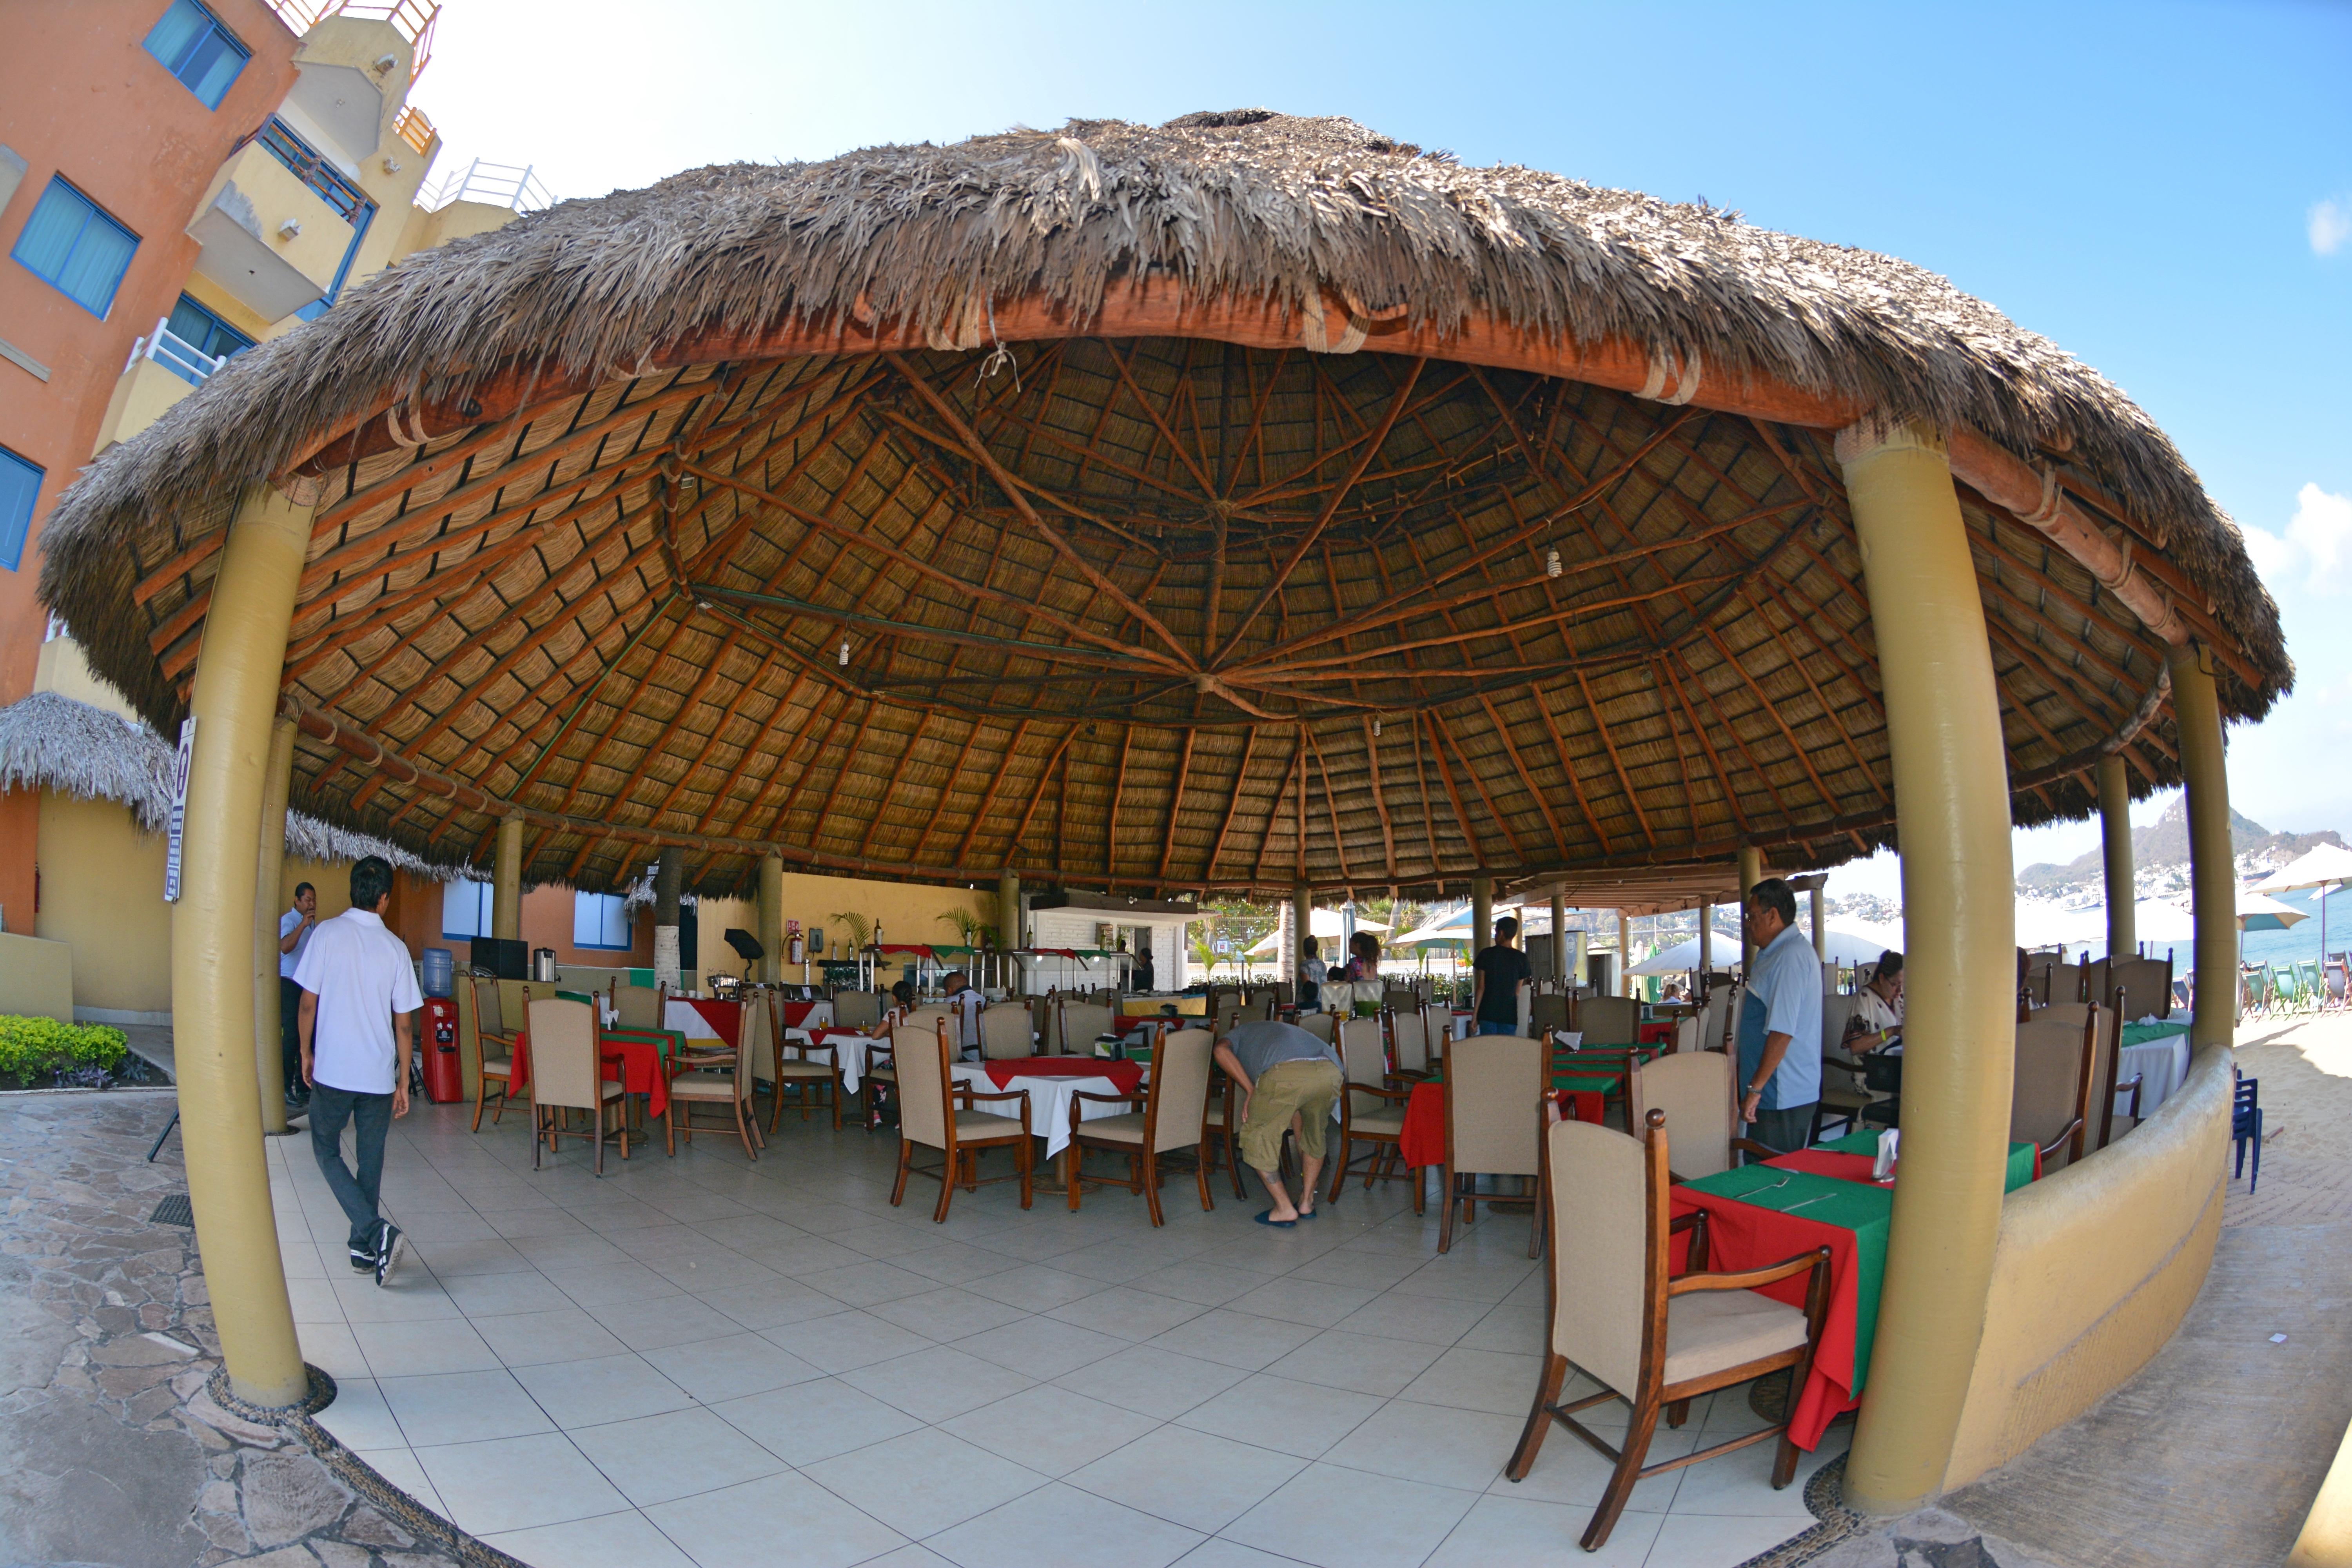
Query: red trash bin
[444, 1077]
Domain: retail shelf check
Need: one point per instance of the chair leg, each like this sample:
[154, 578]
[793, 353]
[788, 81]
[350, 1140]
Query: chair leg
[600, 1130]
[1445, 1216]
[1026, 1159]
[948, 1161]
[1547, 1387]
[481, 1093]
[1677, 1413]
[1621, 1481]
[1200, 1174]
[1233, 1153]
[1151, 1187]
[535, 1139]
[1339, 1169]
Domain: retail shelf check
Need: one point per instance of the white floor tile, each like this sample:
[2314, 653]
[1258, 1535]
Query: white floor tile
[1198, 1479]
[1235, 1339]
[1497, 1382]
[656, 1458]
[1062, 1527]
[947, 1314]
[1337, 1518]
[713, 1370]
[812, 1420]
[517, 1483]
[1042, 1348]
[360, 1418]
[1467, 1448]
[1156, 1382]
[461, 1407]
[609, 1540]
[958, 1481]
[1128, 1312]
[938, 1383]
[536, 1339]
[1529, 1534]
[1337, 1358]
[1049, 1429]
[604, 1389]
[749, 1525]
[845, 1340]
[1301, 1419]
[1719, 1541]
[1034, 1286]
[399, 1467]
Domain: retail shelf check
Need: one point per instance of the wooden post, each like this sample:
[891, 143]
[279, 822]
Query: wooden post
[1951, 801]
[505, 906]
[1008, 932]
[1706, 943]
[268, 1052]
[2115, 837]
[772, 917]
[1624, 955]
[1302, 925]
[1482, 913]
[1559, 937]
[1751, 871]
[2213, 878]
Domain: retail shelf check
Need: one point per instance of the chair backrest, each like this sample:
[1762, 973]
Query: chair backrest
[1693, 1089]
[1397, 999]
[1546, 1012]
[488, 1018]
[920, 1051]
[856, 1009]
[639, 1006]
[1608, 1020]
[1494, 1087]
[2066, 984]
[2053, 1060]
[1259, 1006]
[755, 1044]
[1080, 1023]
[1836, 1009]
[1409, 1033]
[1005, 1031]
[1324, 1027]
[1364, 1059]
[563, 1067]
[1602, 1189]
[2147, 985]
[1178, 1105]
[923, 1018]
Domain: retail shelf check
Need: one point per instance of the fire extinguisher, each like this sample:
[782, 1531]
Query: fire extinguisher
[796, 950]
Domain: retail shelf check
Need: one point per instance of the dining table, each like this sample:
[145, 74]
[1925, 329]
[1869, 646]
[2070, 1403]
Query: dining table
[1052, 1083]
[704, 1018]
[2159, 1053]
[646, 1058]
[1821, 1197]
[1581, 1096]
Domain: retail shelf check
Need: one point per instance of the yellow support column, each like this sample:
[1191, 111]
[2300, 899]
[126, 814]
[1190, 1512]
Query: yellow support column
[1751, 871]
[269, 1056]
[772, 917]
[1624, 955]
[1482, 913]
[234, 702]
[2114, 835]
[1951, 803]
[1559, 937]
[506, 907]
[2212, 875]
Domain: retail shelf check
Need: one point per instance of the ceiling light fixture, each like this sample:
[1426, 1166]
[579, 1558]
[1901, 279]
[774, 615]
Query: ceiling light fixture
[1551, 563]
[844, 653]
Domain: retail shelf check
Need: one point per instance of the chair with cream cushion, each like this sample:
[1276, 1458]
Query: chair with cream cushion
[637, 1006]
[1494, 1106]
[804, 1069]
[491, 1036]
[1324, 1027]
[1371, 1111]
[1409, 1039]
[936, 1113]
[725, 1079]
[1649, 1336]
[1694, 1090]
[1076, 1023]
[882, 1066]
[567, 1074]
[1608, 1020]
[2052, 1090]
[1005, 1031]
[859, 1010]
[1174, 1117]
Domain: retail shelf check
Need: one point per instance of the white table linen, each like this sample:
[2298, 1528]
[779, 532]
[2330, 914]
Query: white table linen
[688, 1020]
[850, 1050]
[1049, 1101]
[2162, 1064]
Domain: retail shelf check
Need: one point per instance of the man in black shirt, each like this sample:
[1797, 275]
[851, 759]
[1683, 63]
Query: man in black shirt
[1498, 971]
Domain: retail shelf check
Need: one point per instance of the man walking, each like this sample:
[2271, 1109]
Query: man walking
[294, 929]
[1282, 1072]
[1499, 971]
[1780, 1024]
[355, 976]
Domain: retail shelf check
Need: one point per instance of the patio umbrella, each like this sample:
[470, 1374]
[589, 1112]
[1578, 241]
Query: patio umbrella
[1319, 922]
[1683, 957]
[2323, 867]
[2256, 912]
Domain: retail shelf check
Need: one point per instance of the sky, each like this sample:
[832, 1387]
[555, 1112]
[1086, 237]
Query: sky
[2164, 190]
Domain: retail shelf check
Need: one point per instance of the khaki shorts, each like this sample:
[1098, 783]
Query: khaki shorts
[1306, 1087]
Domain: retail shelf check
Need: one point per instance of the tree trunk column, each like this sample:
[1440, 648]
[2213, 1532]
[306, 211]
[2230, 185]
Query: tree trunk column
[268, 1054]
[1951, 802]
[506, 890]
[1624, 955]
[669, 879]
[1482, 913]
[1559, 937]
[1751, 871]
[235, 703]
[2212, 874]
[771, 918]
[1302, 926]
[2114, 837]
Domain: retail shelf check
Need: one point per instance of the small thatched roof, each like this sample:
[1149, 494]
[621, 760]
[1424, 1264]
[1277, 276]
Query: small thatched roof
[1153, 599]
[49, 742]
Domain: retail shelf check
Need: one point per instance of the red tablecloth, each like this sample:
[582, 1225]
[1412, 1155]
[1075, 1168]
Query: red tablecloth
[1423, 1142]
[725, 1019]
[1657, 1034]
[796, 1013]
[1124, 1076]
[641, 1071]
[1829, 1162]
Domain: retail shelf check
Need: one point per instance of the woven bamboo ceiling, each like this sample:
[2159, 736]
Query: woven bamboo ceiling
[744, 530]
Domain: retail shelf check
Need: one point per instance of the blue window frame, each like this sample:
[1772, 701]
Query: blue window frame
[193, 46]
[205, 332]
[20, 486]
[71, 242]
[303, 160]
[468, 908]
[600, 919]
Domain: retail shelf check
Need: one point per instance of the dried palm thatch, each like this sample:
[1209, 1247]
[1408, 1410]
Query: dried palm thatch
[932, 509]
[55, 742]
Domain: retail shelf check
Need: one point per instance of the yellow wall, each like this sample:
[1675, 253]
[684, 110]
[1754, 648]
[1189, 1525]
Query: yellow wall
[909, 913]
[36, 978]
[2095, 1268]
[102, 896]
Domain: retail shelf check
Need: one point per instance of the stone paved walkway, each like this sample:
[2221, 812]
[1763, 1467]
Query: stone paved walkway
[110, 1450]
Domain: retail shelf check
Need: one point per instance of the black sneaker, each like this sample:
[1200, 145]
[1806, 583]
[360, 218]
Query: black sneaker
[362, 1261]
[390, 1246]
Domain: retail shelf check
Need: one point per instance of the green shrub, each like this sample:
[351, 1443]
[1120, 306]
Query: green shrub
[31, 1046]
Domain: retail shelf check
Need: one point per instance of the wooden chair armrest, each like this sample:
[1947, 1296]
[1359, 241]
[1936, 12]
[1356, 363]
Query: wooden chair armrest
[613, 1059]
[1135, 1099]
[1749, 1146]
[1388, 1094]
[1852, 1069]
[967, 1094]
[1694, 1221]
[1751, 1278]
[2059, 1142]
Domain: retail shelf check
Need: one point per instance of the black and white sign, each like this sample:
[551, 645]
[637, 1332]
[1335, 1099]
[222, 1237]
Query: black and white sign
[179, 833]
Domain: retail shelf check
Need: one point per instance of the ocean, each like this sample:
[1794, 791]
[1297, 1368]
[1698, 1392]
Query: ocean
[2303, 941]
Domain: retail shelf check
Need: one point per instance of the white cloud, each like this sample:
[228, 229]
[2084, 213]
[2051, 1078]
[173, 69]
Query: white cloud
[2330, 225]
[2316, 551]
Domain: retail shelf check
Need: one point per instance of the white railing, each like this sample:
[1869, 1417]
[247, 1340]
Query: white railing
[515, 186]
[174, 353]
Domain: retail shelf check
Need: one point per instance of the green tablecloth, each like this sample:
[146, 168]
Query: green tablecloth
[2142, 1034]
[1858, 1206]
[2021, 1156]
[1574, 1082]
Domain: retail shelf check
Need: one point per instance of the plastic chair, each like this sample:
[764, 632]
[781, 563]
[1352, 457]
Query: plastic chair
[2246, 1127]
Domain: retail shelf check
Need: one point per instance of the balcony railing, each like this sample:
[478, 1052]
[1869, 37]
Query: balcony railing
[495, 185]
[415, 18]
[174, 353]
[412, 127]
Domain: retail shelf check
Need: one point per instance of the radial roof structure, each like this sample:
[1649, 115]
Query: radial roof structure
[1243, 500]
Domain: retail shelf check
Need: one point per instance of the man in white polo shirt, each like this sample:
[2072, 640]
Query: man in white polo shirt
[355, 975]
[294, 929]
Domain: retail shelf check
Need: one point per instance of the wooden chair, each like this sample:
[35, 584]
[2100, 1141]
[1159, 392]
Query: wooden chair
[638, 1006]
[1494, 1109]
[1694, 1090]
[567, 1074]
[1075, 1024]
[2050, 1097]
[1005, 1031]
[858, 1010]
[723, 1078]
[1608, 1020]
[882, 1066]
[1174, 1117]
[2146, 984]
[1408, 1044]
[489, 1030]
[1371, 1111]
[934, 1110]
[1547, 1011]
[1651, 1337]
[1324, 1027]
[1843, 1096]
[808, 1068]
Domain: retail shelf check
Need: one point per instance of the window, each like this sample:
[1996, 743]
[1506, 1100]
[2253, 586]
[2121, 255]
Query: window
[468, 908]
[194, 48]
[20, 483]
[70, 242]
[313, 171]
[205, 332]
[600, 919]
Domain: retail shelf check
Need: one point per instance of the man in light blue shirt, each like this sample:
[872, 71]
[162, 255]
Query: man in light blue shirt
[1780, 1023]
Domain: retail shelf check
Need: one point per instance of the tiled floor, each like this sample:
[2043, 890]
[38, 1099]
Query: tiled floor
[712, 1361]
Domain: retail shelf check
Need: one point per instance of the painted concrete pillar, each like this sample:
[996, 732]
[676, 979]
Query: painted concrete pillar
[1821, 924]
[1560, 939]
[1751, 871]
[1008, 915]
[235, 703]
[1951, 803]
[2212, 874]
[772, 917]
[506, 878]
[1482, 913]
[1302, 926]
[669, 878]
[2114, 837]
[268, 1054]
[1705, 941]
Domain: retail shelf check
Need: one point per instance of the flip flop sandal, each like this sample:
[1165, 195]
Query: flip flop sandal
[1304, 1213]
[1267, 1219]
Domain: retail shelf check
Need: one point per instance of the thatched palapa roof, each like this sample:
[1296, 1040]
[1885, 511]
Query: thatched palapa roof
[1186, 498]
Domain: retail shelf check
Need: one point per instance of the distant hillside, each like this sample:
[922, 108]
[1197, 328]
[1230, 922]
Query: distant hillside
[2160, 858]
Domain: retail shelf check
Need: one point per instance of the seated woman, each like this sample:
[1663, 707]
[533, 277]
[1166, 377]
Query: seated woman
[1363, 956]
[1878, 1008]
